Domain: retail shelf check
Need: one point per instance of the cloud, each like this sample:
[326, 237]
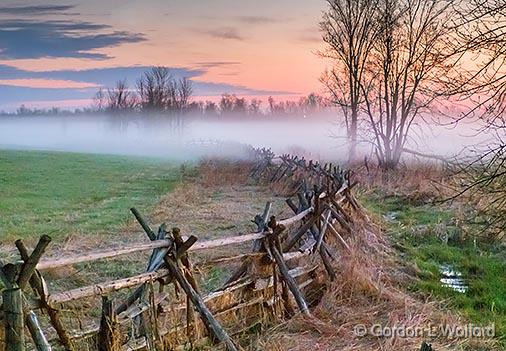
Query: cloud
[310, 34]
[100, 76]
[224, 33]
[216, 89]
[13, 96]
[215, 64]
[35, 9]
[256, 19]
[310, 38]
[21, 39]
[47, 83]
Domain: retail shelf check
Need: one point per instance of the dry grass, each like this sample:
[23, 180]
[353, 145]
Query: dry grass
[419, 182]
[370, 290]
[214, 172]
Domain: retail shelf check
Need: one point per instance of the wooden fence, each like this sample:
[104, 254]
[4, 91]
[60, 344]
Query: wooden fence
[290, 262]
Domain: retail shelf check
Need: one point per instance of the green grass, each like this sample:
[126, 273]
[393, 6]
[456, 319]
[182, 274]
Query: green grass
[58, 193]
[417, 233]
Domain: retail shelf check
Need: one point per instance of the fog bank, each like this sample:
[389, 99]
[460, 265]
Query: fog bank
[157, 137]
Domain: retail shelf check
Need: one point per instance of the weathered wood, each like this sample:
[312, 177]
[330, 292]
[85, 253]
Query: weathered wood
[134, 311]
[324, 248]
[296, 218]
[275, 250]
[211, 323]
[326, 262]
[137, 309]
[155, 262]
[109, 338]
[341, 219]
[38, 337]
[144, 225]
[323, 230]
[292, 285]
[203, 245]
[299, 234]
[261, 222]
[10, 272]
[14, 319]
[28, 267]
[68, 261]
[181, 248]
[339, 237]
[106, 287]
[253, 255]
[185, 246]
[37, 284]
[211, 244]
[153, 267]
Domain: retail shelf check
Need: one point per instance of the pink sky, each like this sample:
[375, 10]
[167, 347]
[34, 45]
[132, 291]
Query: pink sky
[264, 46]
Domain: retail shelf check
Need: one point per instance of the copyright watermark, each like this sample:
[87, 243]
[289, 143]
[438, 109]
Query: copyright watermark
[466, 331]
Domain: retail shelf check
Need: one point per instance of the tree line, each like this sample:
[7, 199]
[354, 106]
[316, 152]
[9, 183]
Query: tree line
[157, 91]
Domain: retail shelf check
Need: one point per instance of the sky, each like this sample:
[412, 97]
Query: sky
[59, 53]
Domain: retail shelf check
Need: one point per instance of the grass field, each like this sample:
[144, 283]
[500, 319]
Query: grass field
[416, 231]
[58, 193]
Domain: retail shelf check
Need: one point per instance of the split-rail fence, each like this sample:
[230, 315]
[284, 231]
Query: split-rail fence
[287, 267]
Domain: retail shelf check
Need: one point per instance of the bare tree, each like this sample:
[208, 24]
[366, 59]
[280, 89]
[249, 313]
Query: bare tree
[230, 104]
[408, 70]
[159, 91]
[254, 107]
[184, 89]
[350, 29]
[100, 100]
[154, 89]
[120, 98]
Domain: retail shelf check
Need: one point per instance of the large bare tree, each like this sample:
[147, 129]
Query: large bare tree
[159, 91]
[154, 89]
[394, 60]
[120, 98]
[350, 29]
[412, 61]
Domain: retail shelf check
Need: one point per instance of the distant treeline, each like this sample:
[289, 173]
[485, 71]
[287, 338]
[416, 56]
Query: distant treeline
[159, 93]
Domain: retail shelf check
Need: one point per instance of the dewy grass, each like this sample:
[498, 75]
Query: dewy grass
[424, 235]
[58, 193]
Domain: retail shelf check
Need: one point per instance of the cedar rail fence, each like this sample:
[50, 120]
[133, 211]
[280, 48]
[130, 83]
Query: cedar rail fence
[290, 263]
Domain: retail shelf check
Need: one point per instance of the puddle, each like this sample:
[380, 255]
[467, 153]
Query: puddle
[390, 216]
[452, 279]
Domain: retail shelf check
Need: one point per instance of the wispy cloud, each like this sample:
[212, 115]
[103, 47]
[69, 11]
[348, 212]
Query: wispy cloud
[256, 19]
[35, 10]
[47, 83]
[36, 39]
[212, 88]
[100, 76]
[214, 64]
[230, 33]
[310, 38]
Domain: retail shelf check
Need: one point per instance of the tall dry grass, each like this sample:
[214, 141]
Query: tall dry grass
[370, 290]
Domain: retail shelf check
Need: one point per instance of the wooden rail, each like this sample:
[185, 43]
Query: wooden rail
[157, 244]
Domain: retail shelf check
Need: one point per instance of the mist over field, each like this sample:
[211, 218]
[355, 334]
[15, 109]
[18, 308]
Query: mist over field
[321, 138]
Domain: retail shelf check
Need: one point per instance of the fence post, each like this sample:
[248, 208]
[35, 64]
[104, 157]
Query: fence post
[108, 338]
[14, 321]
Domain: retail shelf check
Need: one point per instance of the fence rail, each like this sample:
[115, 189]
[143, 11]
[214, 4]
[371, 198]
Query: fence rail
[290, 260]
